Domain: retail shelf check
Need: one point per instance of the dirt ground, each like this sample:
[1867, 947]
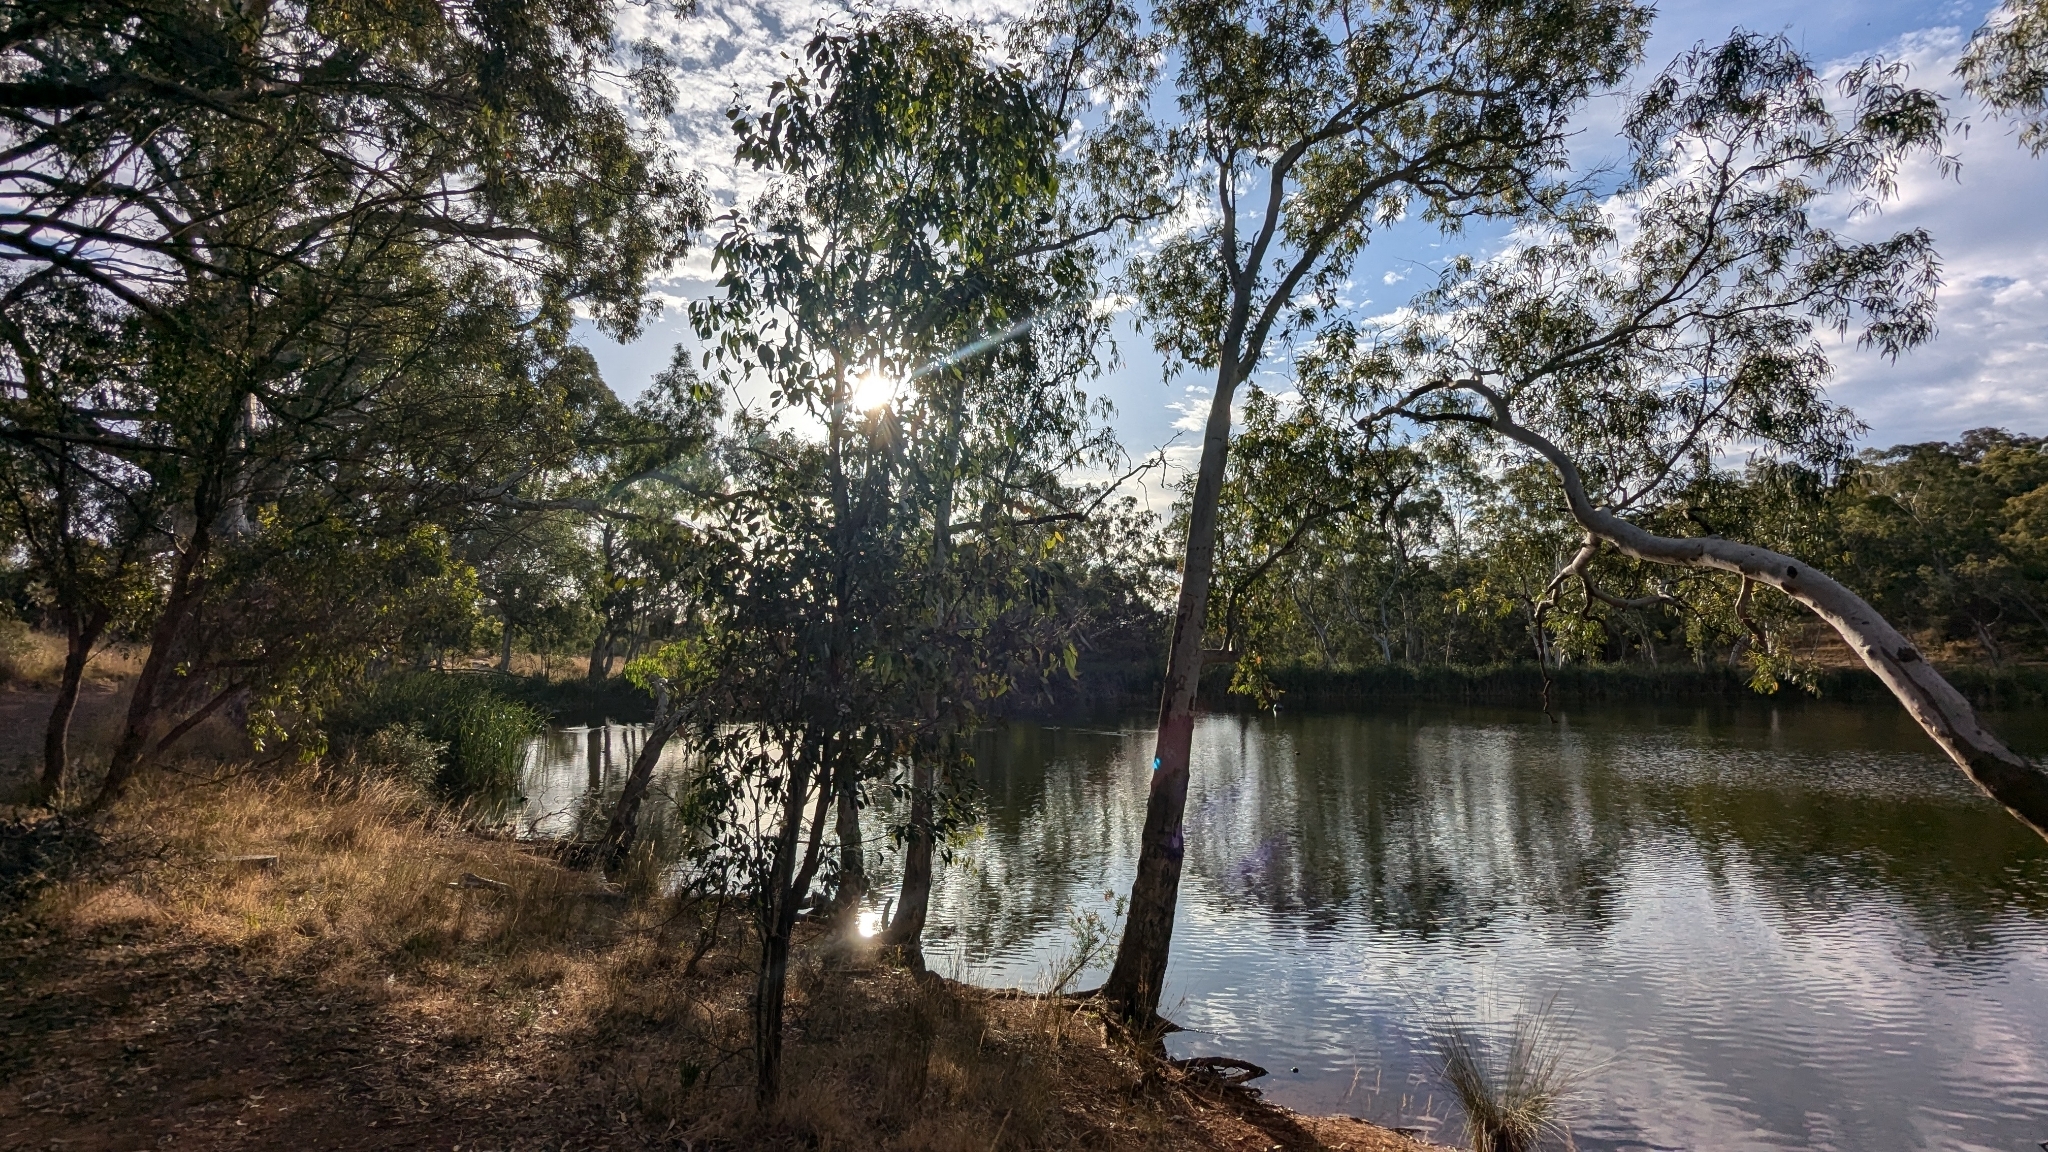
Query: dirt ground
[347, 996]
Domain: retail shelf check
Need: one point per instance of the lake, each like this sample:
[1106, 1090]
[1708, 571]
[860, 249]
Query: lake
[1762, 928]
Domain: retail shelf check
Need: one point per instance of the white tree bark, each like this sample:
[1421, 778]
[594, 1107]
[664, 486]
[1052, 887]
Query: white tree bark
[2018, 783]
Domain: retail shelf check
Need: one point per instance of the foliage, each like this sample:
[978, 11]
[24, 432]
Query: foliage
[1949, 537]
[1094, 938]
[2006, 66]
[1943, 538]
[483, 735]
[403, 752]
[1647, 333]
[296, 269]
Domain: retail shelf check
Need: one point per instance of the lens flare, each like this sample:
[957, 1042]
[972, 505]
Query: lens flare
[872, 389]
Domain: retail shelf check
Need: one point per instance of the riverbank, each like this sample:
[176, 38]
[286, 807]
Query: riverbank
[285, 963]
[1302, 686]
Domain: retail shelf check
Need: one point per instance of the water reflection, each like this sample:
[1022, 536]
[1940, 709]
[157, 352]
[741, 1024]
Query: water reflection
[574, 775]
[1778, 929]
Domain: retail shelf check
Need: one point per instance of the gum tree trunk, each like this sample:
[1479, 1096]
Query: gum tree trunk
[1135, 981]
[853, 877]
[914, 894]
[625, 822]
[913, 899]
[787, 884]
[144, 709]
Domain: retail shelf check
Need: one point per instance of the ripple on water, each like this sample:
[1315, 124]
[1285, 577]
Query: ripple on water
[1762, 930]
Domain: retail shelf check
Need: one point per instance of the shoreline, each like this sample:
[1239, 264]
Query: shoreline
[294, 962]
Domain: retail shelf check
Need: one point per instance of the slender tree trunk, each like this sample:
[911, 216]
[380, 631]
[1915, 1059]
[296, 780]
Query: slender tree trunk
[600, 657]
[1135, 981]
[144, 708]
[913, 899]
[79, 637]
[778, 922]
[505, 648]
[625, 822]
[853, 875]
[787, 884]
[633, 641]
[914, 894]
[2007, 777]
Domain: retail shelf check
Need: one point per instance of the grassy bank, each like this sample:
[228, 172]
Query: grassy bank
[1522, 684]
[349, 993]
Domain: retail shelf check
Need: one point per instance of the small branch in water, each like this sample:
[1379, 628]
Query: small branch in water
[1228, 1069]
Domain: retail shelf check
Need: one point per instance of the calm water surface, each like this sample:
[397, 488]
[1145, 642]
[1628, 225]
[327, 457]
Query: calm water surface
[1767, 929]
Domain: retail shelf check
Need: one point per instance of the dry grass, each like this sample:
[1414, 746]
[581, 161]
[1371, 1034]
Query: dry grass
[33, 660]
[349, 997]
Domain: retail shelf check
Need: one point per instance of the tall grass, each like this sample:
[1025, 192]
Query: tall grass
[1514, 1093]
[482, 735]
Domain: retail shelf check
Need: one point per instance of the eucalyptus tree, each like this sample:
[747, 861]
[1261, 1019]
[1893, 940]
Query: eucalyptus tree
[1296, 129]
[1938, 534]
[1636, 340]
[990, 447]
[295, 208]
[894, 271]
[2006, 66]
[1306, 501]
[81, 538]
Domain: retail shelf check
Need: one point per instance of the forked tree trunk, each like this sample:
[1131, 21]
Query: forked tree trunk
[2007, 777]
[1136, 979]
[79, 637]
[787, 883]
[600, 665]
[145, 710]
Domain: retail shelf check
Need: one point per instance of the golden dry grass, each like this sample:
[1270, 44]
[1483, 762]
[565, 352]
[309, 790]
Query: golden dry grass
[350, 997]
[31, 659]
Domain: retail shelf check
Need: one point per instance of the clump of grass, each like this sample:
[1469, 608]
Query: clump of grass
[1514, 1094]
[28, 657]
[482, 735]
[17, 643]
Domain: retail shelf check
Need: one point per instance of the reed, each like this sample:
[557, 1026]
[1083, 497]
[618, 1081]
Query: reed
[1514, 1094]
[483, 735]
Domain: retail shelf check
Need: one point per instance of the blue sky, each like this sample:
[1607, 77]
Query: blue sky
[1988, 366]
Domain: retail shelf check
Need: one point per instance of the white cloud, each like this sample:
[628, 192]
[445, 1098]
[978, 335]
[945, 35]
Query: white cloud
[1982, 368]
[1989, 363]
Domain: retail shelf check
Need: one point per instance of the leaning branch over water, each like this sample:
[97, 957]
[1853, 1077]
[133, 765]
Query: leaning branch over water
[2013, 780]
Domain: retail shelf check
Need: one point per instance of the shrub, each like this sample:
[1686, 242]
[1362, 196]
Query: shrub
[403, 752]
[478, 738]
[16, 645]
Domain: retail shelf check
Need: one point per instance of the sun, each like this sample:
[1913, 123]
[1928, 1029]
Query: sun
[872, 389]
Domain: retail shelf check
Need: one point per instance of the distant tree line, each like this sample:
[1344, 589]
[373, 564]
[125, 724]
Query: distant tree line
[1449, 564]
